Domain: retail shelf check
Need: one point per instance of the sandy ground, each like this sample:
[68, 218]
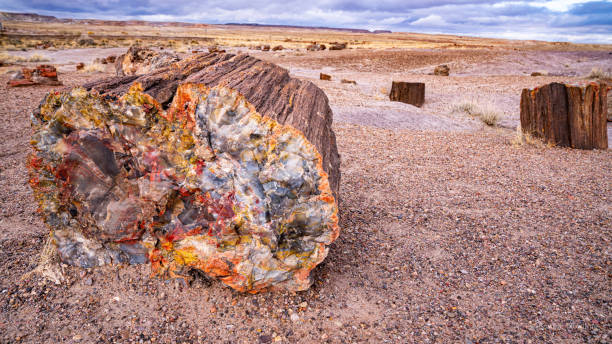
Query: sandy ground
[451, 234]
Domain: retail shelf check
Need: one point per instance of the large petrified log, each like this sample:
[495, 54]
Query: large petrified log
[408, 92]
[268, 87]
[209, 184]
[139, 60]
[567, 115]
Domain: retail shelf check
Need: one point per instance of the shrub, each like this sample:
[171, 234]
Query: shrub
[488, 114]
[520, 138]
[598, 73]
[37, 58]
[93, 68]
[8, 59]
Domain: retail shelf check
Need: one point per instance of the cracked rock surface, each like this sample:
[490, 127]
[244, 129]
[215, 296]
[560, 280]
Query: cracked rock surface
[207, 185]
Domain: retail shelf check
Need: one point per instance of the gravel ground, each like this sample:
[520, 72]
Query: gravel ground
[448, 237]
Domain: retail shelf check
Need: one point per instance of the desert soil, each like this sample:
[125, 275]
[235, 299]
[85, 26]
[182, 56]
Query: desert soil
[450, 233]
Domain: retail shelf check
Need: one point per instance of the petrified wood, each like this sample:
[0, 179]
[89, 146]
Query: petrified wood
[139, 60]
[41, 75]
[208, 184]
[408, 92]
[268, 87]
[442, 70]
[325, 77]
[567, 115]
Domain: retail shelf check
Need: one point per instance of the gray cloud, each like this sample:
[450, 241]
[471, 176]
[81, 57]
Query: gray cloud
[565, 20]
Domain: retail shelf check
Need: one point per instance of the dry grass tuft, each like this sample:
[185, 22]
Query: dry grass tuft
[520, 139]
[37, 58]
[93, 68]
[8, 59]
[48, 264]
[487, 113]
[598, 73]
[182, 49]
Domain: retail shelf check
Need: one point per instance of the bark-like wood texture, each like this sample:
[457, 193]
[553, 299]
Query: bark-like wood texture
[298, 103]
[408, 92]
[567, 115]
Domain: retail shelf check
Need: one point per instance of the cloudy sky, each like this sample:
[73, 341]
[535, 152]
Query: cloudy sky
[553, 20]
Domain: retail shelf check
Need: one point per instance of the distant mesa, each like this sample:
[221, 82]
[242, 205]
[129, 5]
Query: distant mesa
[37, 18]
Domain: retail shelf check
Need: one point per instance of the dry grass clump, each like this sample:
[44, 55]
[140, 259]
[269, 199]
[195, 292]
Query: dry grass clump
[8, 59]
[182, 49]
[598, 73]
[93, 68]
[487, 113]
[48, 264]
[37, 58]
[520, 139]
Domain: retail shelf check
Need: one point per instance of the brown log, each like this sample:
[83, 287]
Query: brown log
[567, 115]
[609, 95]
[268, 87]
[408, 92]
[324, 76]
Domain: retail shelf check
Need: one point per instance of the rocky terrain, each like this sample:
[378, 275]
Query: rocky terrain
[452, 232]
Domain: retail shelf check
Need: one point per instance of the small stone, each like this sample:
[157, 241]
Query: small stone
[265, 338]
[88, 281]
[442, 70]
[77, 338]
[294, 317]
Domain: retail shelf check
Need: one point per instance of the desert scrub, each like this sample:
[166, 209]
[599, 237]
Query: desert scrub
[93, 68]
[520, 139]
[181, 48]
[37, 58]
[8, 59]
[598, 73]
[487, 113]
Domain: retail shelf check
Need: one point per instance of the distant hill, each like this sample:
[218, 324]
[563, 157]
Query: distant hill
[310, 27]
[37, 18]
[29, 17]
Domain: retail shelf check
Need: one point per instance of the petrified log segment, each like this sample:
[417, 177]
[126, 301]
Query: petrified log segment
[567, 115]
[209, 184]
[609, 105]
[408, 92]
[268, 87]
[324, 76]
[41, 75]
[138, 61]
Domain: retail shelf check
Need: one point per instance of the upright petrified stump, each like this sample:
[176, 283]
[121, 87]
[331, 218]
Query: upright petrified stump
[408, 92]
[300, 104]
[567, 115]
[208, 184]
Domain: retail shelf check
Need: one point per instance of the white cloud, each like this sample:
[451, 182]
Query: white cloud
[430, 20]
[558, 5]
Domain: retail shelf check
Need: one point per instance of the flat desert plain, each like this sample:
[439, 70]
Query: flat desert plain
[453, 231]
